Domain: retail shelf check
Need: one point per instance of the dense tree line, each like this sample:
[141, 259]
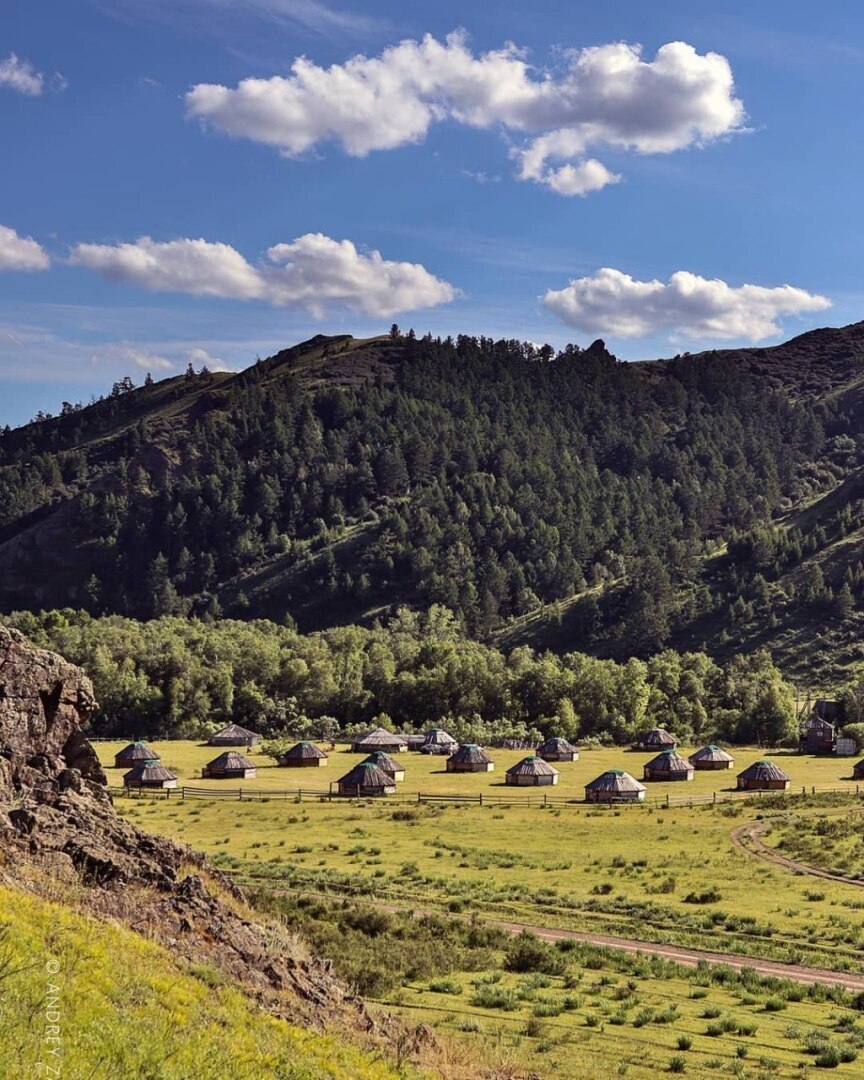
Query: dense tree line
[180, 677]
[481, 475]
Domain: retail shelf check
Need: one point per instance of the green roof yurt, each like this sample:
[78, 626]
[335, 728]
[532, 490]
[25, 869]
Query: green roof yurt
[531, 772]
[470, 758]
[614, 785]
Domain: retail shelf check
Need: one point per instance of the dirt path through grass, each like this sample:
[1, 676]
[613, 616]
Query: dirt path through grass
[748, 838]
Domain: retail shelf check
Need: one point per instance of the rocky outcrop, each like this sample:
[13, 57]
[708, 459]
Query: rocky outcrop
[58, 824]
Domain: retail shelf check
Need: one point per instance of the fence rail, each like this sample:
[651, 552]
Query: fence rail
[666, 800]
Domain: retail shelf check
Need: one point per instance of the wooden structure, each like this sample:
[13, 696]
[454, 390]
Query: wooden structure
[136, 753]
[234, 735]
[818, 733]
[387, 765]
[763, 775]
[379, 739]
[656, 739]
[531, 772]
[712, 757]
[613, 786]
[669, 765]
[230, 765]
[470, 758]
[438, 741]
[858, 770]
[303, 755]
[557, 750]
[366, 779]
[152, 775]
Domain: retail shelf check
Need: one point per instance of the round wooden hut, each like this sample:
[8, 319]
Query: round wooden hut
[379, 739]
[387, 765]
[669, 765]
[656, 739]
[531, 772]
[230, 765]
[366, 779]
[438, 741]
[150, 775]
[234, 735]
[557, 750]
[303, 755]
[858, 770]
[613, 786]
[712, 757]
[763, 776]
[470, 758]
[136, 753]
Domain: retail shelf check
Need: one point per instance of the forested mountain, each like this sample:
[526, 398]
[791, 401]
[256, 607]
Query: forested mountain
[709, 500]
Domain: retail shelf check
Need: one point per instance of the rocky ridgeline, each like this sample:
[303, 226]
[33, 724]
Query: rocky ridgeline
[59, 831]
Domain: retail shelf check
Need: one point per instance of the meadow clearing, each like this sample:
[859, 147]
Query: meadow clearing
[648, 872]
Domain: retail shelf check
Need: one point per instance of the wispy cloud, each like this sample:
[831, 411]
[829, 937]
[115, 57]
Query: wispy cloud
[22, 77]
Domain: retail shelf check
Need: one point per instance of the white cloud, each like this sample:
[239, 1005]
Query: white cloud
[199, 358]
[689, 306]
[607, 96]
[138, 356]
[20, 75]
[313, 272]
[21, 252]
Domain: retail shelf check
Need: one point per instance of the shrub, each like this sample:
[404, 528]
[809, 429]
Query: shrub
[708, 896]
[828, 1057]
[528, 953]
[677, 1064]
[684, 1042]
[445, 986]
[495, 997]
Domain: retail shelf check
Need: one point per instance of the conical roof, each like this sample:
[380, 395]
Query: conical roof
[437, 736]
[764, 770]
[557, 746]
[135, 752]
[366, 775]
[304, 750]
[379, 737]
[615, 780]
[149, 773]
[470, 754]
[711, 752]
[658, 737]
[384, 762]
[669, 761]
[235, 731]
[231, 760]
[532, 766]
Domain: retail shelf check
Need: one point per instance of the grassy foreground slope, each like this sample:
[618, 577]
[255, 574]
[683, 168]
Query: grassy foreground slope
[124, 1008]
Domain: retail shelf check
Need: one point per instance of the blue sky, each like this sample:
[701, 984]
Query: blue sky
[105, 141]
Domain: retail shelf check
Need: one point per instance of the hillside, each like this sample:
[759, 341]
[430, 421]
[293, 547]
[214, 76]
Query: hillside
[571, 501]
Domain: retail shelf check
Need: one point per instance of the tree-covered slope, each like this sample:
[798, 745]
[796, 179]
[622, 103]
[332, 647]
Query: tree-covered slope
[571, 499]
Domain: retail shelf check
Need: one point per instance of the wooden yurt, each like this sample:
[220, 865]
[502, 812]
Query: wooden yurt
[150, 775]
[303, 755]
[669, 765]
[763, 776]
[858, 770]
[531, 772]
[438, 741]
[234, 735]
[136, 753]
[615, 785]
[655, 739]
[366, 779]
[230, 765]
[557, 750]
[470, 758]
[712, 757]
[379, 739]
[387, 765]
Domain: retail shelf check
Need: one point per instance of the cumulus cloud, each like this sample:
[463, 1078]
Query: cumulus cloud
[313, 272]
[687, 305]
[607, 96]
[21, 76]
[199, 357]
[21, 252]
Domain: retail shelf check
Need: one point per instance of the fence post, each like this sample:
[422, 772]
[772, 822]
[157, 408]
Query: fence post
[481, 798]
[240, 794]
[544, 798]
[714, 797]
[667, 800]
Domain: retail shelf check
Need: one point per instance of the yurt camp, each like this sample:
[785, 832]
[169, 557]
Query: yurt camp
[470, 758]
[303, 755]
[763, 776]
[230, 765]
[366, 779]
[379, 739]
[669, 765]
[387, 765]
[150, 775]
[531, 772]
[613, 786]
[655, 739]
[557, 750]
[136, 753]
[234, 735]
[438, 741]
[711, 757]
